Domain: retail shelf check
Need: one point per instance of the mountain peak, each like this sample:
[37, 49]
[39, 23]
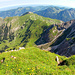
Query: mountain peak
[27, 13]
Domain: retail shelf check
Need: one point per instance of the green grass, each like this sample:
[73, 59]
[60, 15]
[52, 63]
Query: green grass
[33, 61]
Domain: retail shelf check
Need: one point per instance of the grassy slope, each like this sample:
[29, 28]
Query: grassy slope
[33, 61]
[34, 22]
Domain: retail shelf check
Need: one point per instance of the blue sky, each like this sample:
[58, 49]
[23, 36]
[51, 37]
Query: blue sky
[7, 3]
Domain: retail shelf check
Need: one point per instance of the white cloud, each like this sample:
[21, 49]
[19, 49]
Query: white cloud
[69, 3]
[5, 0]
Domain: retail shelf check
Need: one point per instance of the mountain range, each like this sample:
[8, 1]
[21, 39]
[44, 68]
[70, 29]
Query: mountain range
[60, 13]
[20, 10]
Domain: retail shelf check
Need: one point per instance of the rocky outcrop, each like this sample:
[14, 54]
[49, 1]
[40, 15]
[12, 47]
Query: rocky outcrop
[67, 46]
[1, 21]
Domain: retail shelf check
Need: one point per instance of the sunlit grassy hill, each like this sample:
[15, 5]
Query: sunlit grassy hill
[33, 61]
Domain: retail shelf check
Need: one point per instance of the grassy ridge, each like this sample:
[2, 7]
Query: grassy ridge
[33, 61]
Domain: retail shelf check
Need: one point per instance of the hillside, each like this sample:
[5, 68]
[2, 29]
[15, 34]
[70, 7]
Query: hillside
[23, 30]
[33, 61]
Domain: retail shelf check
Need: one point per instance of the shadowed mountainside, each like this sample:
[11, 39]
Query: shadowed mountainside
[63, 43]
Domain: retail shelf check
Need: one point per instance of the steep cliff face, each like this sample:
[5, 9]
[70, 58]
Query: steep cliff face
[67, 46]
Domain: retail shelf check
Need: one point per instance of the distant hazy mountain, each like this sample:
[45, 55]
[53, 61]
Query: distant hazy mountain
[66, 15]
[50, 12]
[58, 13]
[21, 10]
